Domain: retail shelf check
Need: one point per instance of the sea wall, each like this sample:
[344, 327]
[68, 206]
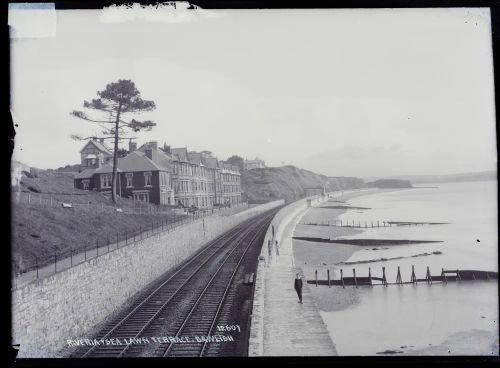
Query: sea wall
[268, 258]
[67, 305]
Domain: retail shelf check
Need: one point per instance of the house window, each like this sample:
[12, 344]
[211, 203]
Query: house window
[105, 181]
[147, 179]
[85, 184]
[129, 177]
[142, 197]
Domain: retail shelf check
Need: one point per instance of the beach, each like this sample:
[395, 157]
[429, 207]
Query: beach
[312, 256]
[374, 321]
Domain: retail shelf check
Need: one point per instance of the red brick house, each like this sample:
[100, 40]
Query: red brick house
[143, 175]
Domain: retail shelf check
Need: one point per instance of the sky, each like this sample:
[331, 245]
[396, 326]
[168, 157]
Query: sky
[351, 92]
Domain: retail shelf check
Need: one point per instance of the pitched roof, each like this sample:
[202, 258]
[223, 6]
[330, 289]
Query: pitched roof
[138, 161]
[210, 162]
[195, 158]
[180, 153]
[163, 159]
[107, 169]
[100, 146]
[87, 173]
[134, 161]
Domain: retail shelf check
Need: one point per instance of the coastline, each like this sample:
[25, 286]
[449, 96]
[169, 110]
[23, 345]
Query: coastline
[311, 256]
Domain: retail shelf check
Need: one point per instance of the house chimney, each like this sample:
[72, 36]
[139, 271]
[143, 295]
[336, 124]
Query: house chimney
[132, 146]
[101, 140]
[166, 148]
[152, 151]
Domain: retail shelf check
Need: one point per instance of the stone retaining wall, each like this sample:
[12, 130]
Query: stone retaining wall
[68, 304]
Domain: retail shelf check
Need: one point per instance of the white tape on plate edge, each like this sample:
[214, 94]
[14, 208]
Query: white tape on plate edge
[32, 20]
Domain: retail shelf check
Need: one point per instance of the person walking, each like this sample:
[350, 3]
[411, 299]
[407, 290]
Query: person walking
[277, 248]
[298, 287]
[270, 248]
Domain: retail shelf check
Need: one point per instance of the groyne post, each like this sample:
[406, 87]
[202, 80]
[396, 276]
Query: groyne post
[428, 276]
[97, 245]
[354, 274]
[398, 277]
[443, 276]
[458, 275]
[328, 274]
[342, 278]
[316, 272]
[413, 277]
[370, 276]
[384, 279]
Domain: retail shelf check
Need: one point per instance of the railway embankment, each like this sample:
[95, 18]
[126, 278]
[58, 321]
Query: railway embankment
[68, 304]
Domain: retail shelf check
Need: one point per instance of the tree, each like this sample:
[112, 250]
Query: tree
[236, 161]
[122, 152]
[116, 100]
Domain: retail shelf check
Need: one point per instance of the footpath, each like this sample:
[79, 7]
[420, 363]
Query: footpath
[281, 326]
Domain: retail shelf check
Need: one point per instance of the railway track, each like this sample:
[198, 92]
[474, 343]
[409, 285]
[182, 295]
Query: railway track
[187, 306]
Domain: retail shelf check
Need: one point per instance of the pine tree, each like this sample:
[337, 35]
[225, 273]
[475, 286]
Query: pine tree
[116, 100]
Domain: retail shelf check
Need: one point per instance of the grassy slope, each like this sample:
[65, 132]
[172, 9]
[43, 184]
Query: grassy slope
[289, 182]
[39, 229]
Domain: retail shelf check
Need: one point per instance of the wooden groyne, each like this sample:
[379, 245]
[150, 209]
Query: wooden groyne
[370, 224]
[370, 280]
[366, 242]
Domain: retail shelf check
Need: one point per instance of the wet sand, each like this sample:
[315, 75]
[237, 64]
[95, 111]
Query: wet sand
[312, 256]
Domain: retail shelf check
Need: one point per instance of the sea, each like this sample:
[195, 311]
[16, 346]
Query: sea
[419, 317]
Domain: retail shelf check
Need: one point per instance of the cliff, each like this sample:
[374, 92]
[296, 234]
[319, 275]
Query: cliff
[289, 183]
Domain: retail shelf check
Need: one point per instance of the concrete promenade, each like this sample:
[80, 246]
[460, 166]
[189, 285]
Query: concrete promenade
[283, 326]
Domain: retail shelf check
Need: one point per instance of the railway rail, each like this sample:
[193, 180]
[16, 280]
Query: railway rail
[187, 305]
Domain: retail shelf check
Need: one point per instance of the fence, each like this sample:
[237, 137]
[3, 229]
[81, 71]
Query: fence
[61, 259]
[84, 202]
[136, 207]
